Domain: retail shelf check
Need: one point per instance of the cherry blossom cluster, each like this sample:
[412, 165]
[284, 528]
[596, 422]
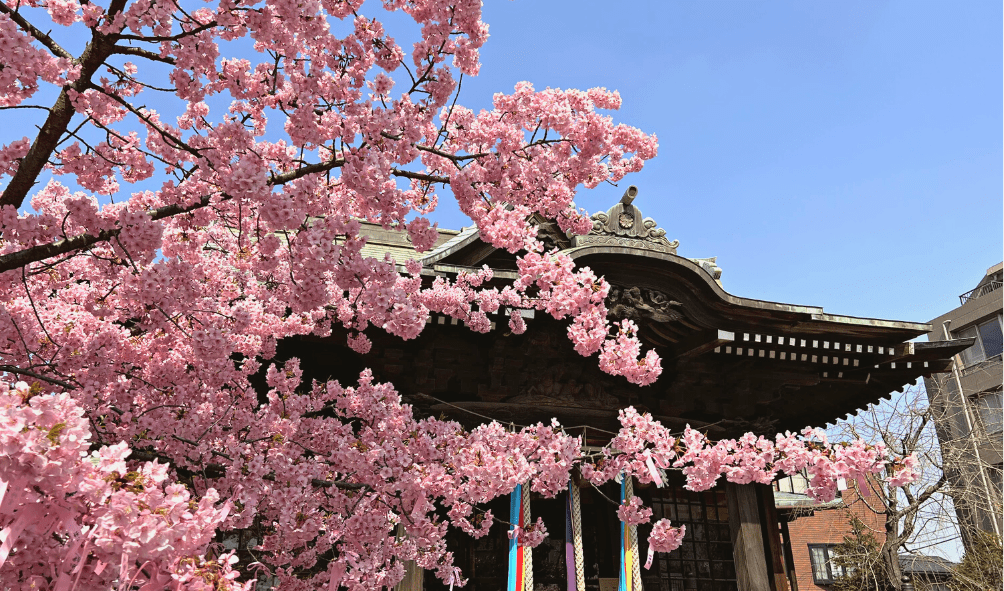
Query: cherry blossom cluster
[644, 448]
[71, 518]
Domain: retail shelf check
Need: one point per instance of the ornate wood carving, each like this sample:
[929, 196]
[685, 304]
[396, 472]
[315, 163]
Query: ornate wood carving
[635, 303]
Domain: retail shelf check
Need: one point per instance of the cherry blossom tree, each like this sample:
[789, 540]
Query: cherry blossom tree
[151, 259]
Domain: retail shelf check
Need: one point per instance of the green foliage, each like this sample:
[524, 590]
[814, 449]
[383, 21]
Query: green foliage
[980, 569]
[860, 555]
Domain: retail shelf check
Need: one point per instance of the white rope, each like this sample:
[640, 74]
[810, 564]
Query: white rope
[527, 551]
[580, 570]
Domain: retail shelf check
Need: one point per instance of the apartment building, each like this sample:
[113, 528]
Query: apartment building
[967, 404]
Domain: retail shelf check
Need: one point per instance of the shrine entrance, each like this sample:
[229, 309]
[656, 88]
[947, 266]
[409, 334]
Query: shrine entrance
[703, 563]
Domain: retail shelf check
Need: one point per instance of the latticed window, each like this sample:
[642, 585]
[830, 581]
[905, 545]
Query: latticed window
[704, 562]
[824, 572]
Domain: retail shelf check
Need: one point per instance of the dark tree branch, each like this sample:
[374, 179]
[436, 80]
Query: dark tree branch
[41, 252]
[144, 53]
[95, 54]
[161, 39]
[420, 176]
[23, 372]
[33, 254]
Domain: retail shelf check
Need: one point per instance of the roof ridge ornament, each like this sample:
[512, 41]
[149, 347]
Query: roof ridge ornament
[624, 225]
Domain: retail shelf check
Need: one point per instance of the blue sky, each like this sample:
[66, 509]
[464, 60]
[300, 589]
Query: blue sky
[841, 154]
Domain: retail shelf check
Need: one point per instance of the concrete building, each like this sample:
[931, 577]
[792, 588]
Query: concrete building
[967, 404]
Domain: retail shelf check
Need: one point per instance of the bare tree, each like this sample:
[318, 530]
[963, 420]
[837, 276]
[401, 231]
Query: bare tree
[920, 517]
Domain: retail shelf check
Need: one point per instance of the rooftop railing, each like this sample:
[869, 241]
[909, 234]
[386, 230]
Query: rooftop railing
[980, 291]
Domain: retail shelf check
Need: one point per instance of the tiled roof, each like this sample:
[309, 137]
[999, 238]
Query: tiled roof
[787, 500]
[914, 564]
[380, 241]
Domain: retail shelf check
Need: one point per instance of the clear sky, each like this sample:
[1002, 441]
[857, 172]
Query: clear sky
[841, 154]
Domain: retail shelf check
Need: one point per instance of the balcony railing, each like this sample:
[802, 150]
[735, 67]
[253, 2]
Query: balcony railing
[992, 364]
[980, 291]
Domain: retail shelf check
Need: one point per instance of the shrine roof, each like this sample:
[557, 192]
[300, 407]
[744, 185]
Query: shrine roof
[730, 363]
[381, 241]
[628, 248]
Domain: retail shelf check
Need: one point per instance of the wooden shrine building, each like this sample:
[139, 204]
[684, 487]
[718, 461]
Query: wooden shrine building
[731, 365]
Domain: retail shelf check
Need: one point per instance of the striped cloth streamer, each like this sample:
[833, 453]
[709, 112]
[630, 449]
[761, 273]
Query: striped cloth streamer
[626, 582]
[515, 551]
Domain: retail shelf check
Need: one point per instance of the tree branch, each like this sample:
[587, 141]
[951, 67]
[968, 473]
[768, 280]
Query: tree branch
[41, 252]
[169, 38]
[23, 372]
[95, 54]
[144, 53]
[420, 176]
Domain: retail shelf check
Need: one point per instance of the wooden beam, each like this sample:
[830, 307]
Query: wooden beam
[664, 332]
[414, 578]
[705, 341]
[747, 538]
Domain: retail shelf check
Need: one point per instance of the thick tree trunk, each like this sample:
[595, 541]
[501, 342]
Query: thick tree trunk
[890, 555]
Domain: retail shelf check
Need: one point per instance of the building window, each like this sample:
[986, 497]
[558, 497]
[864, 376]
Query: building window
[824, 572]
[705, 561]
[796, 483]
[989, 408]
[988, 343]
[997, 480]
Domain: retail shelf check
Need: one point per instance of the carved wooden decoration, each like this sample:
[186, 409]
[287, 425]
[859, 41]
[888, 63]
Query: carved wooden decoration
[634, 303]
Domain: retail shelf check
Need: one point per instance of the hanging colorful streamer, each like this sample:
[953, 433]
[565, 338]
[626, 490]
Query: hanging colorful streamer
[515, 550]
[633, 545]
[630, 571]
[625, 570]
[527, 551]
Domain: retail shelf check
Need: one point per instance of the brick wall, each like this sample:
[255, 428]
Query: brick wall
[829, 526]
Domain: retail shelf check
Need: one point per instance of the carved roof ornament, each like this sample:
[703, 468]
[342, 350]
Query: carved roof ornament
[623, 225]
[711, 266]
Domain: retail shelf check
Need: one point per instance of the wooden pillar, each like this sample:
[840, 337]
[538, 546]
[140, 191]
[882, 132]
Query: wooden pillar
[772, 537]
[414, 578]
[789, 559]
[752, 571]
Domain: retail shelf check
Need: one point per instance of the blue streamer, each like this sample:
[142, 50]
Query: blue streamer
[515, 564]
